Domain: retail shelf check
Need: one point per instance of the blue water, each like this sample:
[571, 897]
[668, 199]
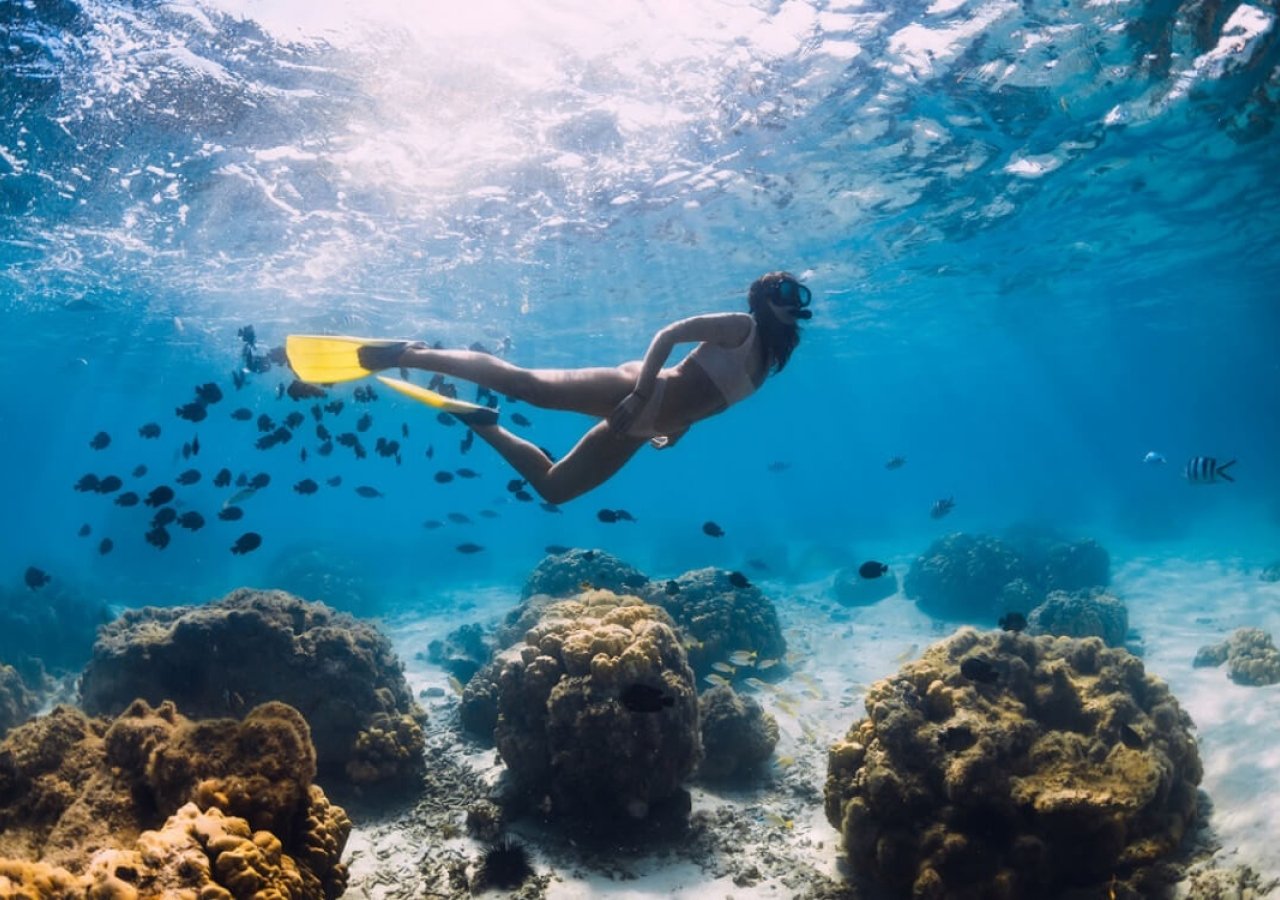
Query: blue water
[1041, 239]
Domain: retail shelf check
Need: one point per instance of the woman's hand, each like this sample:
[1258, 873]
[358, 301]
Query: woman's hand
[625, 413]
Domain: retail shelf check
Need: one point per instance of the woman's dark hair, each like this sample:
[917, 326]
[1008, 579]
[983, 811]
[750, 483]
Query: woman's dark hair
[777, 338]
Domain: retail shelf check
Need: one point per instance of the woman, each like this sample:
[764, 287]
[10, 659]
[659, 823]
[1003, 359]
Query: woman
[638, 402]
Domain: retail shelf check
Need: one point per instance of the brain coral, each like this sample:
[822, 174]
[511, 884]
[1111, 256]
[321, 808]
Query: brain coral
[1251, 657]
[77, 795]
[563, 574]
[718, 616]
[1084, 614]
[1001, 765]
[224, 657]
[597, 709]
[738, 736]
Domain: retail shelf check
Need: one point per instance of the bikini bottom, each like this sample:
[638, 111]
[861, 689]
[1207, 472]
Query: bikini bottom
[643, 426]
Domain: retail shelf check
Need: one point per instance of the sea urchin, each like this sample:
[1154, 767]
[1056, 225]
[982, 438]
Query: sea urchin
[505, 864]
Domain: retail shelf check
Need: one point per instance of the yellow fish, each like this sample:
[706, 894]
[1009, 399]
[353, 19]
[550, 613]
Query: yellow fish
[766, 664]
[742, 657]
[778, 821]
[785, 762]
[723, 667]
[715, 679]
[456, 685]
[758, 684]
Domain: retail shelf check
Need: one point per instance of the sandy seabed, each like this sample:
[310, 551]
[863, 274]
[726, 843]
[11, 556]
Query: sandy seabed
[773, 840]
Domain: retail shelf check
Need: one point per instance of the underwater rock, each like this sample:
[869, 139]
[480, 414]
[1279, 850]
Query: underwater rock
[462, 652]
[718, 617]
[565, 574]
[76, 795]
[1250, 655]
[55, 635]
[253, 646]
[963, 576]
[1081, 614]
[17, 702]
[1002, 765]
[565, 728]
[738, 736]
[851, 589]
[1075, 566]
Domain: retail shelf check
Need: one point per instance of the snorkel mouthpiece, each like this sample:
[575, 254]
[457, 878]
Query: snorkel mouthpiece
[803, 313]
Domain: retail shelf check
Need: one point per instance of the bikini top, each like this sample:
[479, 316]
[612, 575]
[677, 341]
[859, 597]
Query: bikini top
[729, 368]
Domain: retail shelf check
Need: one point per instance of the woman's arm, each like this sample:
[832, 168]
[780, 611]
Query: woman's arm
[729, 329]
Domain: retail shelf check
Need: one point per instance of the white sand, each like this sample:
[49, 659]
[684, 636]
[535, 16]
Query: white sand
[1176, 606]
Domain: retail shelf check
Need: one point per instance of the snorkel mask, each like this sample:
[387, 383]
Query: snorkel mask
[791, 293]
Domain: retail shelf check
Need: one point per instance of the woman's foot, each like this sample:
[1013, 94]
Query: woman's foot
[378, 355]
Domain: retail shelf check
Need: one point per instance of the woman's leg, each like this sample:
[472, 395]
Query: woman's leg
[592, 391]
[591, 462]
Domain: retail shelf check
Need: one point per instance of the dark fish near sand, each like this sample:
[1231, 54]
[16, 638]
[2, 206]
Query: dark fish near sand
[36, 578]
[1207, 470]
[149, 431]
[370, 492]
[100, 441]
[942, 507]
[738, 580]
[1013, 621]
[246, 543]
[711, 529]
[980, 669]
[672, 588]
[644, 698]
[306, 486]
[469, 548]
[872, 569]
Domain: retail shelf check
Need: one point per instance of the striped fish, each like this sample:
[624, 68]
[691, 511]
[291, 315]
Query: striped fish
[1207, 470]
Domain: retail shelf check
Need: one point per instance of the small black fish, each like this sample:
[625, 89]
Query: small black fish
[515, 484]
[157, 537]
[242, 479]
[404, 429]
[259, 481]
[100, 441]
[895, 462]
[209, 393]
[36, 578]
[87, 482]
[243, 414]
[370, 492]
[607, 515]
[237, 378]
[300, 390]
[190, 476]
[623, 515]
[223, 478]
[644, 698]
[139, 471]
[758, 564]
[872, 569]
[323, 433]
[556, 549]
[779, 466]
[431, 451]
[347, 439]
[306, 486]
[104, 546]
[302, 455]
[186, 450]
[550, 507]
[488, 514]
[325, 449]
[195, 446]
[942, 507]
[978, 668]
[192, 412]
[265, 425]
[672, 588]
[432, 524]
[191, 520]
[459, 518]
[520, 420]
[446, 419]
[523, 496]
[164, 515]
[443, 477]
[247, 335]
[333, 406]
[466, 473]
[711, 529]
[467, 440]
[149, 431]
[230, 513]
[159, 496]
[109, 485]
[1013, 621]
[588, 555]
[635, 580]
[317, 411]
[246, 543]
[469, 548]
[128, 498]
[85, 530]
[294, 419]
[364, 423]
[738, 580]
[1131, 738]
[335, 481]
